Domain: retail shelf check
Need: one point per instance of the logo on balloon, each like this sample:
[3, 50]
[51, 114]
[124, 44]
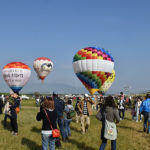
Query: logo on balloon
[16, 75]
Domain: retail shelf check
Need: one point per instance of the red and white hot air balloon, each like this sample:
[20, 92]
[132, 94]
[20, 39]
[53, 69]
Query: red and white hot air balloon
[16, 75]
[42, 66]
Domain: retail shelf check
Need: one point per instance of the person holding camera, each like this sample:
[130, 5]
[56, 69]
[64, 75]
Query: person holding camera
[49, 117]
[14, 103]
[85, 109]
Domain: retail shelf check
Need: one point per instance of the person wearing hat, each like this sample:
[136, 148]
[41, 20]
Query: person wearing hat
[14, 103]
[85, 109]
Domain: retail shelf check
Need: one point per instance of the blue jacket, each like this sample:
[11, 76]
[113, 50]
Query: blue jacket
[59, 106]
[145, 106]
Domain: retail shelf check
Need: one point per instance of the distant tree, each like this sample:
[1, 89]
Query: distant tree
[36, 94]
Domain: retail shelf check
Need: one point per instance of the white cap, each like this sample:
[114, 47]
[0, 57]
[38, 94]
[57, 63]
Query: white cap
[86, 95]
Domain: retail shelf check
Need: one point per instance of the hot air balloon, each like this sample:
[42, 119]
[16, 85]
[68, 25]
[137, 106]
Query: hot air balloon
[42, 67]
[93, 66]
[104, 88]
[16, 75]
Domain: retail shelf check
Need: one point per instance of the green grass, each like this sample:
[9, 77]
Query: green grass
[130, 136]
[29, 102]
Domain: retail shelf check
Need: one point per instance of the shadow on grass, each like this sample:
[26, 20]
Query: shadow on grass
[141, 131]
[125, 127]
[31, 144]
[127, 119]
[7, 126]
[75, 129]
[36, 130]
[81, 146]
[130, 128]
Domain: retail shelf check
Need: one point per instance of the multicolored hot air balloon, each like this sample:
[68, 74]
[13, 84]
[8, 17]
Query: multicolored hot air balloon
[93, 66]
[42, 66]
[16, 75]
[104, 88]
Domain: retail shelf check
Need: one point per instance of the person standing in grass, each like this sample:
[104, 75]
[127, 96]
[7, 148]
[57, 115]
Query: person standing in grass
[6, 111]
[1, 105]
[110, 111]
[121, 107]
[13, 104]
[77, 110]
[60, 106]
[137, 109]
[47, 112]
[67, 118]
[85, 109]
[145, 110]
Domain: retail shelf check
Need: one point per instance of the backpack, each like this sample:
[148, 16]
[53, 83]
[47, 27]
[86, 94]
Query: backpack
[70, 114]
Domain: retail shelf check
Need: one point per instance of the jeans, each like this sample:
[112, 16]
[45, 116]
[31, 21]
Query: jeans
[104, 142]
[147, 121]
[123, 112]
[137, 114]
[67, 127]
[97, 107]
[48, 140]
[61, 127]
[141, 116]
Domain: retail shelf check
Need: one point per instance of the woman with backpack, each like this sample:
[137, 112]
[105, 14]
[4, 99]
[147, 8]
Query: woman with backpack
[69, 113]
[49, 116]
[109, 114]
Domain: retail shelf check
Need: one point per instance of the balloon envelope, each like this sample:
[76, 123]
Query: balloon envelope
[108, 83]
[42, 66]
[16, 75]
[93, 66]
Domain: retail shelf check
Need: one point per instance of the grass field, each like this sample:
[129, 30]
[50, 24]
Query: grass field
[130, 136]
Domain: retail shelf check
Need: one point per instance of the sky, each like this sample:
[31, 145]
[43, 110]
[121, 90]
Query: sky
[57, 29]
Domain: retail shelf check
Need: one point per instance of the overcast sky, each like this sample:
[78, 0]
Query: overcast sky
[59, 28]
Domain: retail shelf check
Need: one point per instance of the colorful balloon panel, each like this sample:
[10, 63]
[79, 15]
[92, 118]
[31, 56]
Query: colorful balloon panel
[43, 66]
[93, 66]
[16, 75]
[108, 83]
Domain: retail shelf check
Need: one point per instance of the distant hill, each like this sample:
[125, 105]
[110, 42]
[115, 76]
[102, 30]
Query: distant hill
[47, 88]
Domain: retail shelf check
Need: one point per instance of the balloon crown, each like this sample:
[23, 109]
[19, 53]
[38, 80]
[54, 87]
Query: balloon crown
[93, 53]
